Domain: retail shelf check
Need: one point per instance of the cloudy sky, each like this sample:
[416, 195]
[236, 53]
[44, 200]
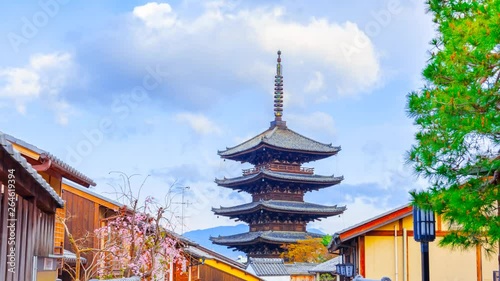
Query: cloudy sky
[156, 88]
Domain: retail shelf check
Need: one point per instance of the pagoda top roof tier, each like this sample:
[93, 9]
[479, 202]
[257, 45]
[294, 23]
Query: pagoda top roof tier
[279, 138]
[312, 179]
[272, 237]
[281, 206]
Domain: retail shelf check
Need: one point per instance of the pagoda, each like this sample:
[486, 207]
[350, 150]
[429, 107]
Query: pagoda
[277, 214]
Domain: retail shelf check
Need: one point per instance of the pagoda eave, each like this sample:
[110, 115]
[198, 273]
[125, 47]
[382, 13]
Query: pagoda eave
[283, 207]
[247, 155]
[282, 177]
[269, 237]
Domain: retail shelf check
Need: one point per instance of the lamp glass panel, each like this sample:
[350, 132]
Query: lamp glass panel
[349, 270]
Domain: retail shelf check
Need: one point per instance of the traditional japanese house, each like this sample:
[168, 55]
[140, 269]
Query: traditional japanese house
[277, 214]
[53, 170]
[207, 265]
[384, 246]
[300, 271]
[57, 174]
[85, 211]
[269, 269]
[28, 206]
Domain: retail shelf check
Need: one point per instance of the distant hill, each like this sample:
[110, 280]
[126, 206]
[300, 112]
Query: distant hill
[201, 236]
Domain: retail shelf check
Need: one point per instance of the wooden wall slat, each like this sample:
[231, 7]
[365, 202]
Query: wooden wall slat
[32, 222]
[23, 247]
[3, 235]
[19, 224]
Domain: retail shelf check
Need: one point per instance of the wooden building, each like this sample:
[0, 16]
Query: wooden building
[275, 269]
[53, 170]
[384, 246]
[301, 271]
[85, 211]
[277, 214]
[207, 265]
[269, 269]
[28, 206]
[57, 174]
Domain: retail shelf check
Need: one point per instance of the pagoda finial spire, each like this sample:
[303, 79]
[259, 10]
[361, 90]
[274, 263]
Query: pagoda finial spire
[278, 95]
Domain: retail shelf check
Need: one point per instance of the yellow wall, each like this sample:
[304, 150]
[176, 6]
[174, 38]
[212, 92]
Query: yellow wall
[46, 276]
[489, 265]
[445, 263]
[231, 270]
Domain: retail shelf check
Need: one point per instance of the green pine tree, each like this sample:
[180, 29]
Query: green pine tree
[458, 117]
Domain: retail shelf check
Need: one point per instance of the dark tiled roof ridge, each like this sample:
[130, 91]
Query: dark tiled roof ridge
[285, 134]
[69, 169]
[279, 205]
[270, 235]
[280, 174]
[308, 138]
[268, 266]
[327, 266]
[52, 157]
[262, 136]
[266, 260]
[22, 161]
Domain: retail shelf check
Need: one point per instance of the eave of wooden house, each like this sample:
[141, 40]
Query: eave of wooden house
[369, 225]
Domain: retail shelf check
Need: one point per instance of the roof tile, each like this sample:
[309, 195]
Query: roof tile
[279, 205]
[22, 161]
[282, 138]
[271, 236]
[268, 267]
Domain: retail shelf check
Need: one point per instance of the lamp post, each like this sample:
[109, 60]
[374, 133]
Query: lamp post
[424, 232]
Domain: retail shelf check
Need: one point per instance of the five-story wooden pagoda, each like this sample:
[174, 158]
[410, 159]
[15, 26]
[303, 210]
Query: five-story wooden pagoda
[277, 214]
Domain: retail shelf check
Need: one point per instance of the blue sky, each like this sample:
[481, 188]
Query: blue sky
[156, 88]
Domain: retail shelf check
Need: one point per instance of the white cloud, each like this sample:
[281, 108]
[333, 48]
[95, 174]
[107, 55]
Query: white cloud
[43, 78]
[155, 15]
[316, 83]
[199, 123]
[19, 83]
[211, 38]
[316, 121]
[358, 209]
[321, 41]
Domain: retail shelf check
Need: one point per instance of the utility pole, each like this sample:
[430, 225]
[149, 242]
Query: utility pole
[183, 205]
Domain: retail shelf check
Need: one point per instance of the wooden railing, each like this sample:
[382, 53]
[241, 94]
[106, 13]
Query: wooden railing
[279, 168]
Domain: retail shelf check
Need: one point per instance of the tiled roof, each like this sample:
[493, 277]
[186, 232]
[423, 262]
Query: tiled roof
[268, 267]
[67, 168]
[70, 258]
[198, 251]
[300, 268]
[282, 176]
[193, 250]
[327, 266]
[91, 192]
[283, 138]
[269, 236]
[7, 146]
[370, 224]
[281, 206]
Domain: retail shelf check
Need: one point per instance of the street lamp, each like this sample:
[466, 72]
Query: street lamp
[342, 269]
[424, 232]
[349, 270]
